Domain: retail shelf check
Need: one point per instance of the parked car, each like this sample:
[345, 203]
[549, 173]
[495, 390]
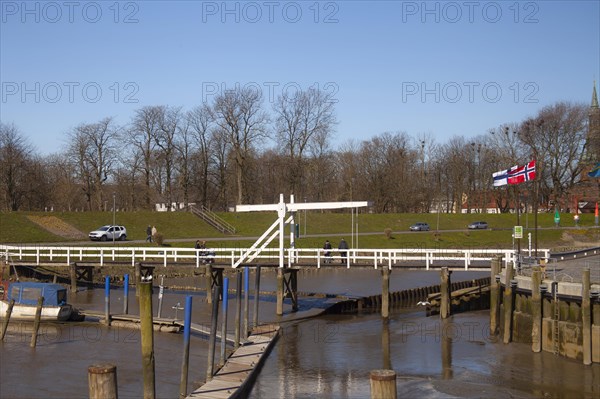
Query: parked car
[106, 233]
[478, 225]
[420, 226]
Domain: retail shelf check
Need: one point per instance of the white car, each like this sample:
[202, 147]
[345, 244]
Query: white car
[108, 233]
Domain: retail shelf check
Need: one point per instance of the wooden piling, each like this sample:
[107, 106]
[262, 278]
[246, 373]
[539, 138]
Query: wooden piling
[536, 311]
[445, 293]
[138, 278]
[212, 339]
[385, 293]
[508, 304]
[586, 318]
[224, 321]
[102, 381]
[383, 384]
[73, 275]
[36, 322]
[494, 295]
[209, 283]
[279, 310]
[256, 296]
[11, 304]
[147, 332]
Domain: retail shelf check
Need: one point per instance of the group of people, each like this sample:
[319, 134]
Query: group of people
[207, 256]
[151, 233]
[342, 247]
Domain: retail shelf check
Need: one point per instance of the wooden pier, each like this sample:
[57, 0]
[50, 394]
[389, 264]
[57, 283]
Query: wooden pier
[235, 378]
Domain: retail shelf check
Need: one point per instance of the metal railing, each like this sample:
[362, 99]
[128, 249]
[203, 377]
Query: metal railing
[213, 219]
[377, 258]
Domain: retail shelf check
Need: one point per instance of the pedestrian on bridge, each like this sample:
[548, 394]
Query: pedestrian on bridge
[327, 248]
[149, 233]
[343, 247]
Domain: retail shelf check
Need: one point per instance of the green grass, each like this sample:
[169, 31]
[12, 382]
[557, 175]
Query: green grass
[182, 228]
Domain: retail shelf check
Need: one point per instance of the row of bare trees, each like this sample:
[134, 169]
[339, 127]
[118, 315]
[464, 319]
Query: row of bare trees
[235, 150]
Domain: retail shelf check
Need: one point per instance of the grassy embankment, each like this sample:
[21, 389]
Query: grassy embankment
[181, 229]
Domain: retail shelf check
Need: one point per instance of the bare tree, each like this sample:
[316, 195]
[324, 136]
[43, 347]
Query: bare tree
[164, 139]
[239, 114]
[201, 123]
[15, 159]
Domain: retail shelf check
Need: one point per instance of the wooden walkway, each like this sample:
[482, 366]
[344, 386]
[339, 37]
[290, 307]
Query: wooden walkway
[235, 378]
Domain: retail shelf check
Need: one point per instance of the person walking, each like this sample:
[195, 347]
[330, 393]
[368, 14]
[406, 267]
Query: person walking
[343, 247]
[154, 232]
[149, 233]
[327, 248]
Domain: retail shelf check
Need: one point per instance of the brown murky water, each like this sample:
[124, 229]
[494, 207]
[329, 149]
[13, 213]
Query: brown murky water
[329, 356]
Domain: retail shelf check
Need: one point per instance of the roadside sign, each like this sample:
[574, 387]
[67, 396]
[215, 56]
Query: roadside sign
[518, 231]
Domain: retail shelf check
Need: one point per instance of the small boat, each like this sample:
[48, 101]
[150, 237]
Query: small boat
[26, 294]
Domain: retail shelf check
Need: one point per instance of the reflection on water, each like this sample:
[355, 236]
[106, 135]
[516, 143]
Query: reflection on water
[330, 356]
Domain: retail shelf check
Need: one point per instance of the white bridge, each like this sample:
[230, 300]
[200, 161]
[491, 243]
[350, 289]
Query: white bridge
[235, 257]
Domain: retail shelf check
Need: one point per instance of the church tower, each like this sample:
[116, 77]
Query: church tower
[593, 137]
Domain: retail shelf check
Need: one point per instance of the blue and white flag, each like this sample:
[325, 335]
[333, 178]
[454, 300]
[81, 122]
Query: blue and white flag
[500, 178]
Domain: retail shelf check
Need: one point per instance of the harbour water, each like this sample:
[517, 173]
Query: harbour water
[329, 356]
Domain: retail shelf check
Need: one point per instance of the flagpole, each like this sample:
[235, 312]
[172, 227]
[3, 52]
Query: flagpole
[518, 205]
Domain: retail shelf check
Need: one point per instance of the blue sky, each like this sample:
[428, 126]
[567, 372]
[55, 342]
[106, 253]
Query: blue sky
[435, 68]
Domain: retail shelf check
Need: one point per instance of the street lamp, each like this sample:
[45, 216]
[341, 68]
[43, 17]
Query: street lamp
[114, 217]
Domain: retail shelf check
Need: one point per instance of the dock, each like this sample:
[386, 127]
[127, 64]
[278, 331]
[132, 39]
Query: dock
[235, 378]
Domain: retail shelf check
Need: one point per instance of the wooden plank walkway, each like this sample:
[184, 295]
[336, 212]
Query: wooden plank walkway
[235, 378]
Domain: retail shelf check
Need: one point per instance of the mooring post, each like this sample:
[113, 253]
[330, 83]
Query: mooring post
[186, 347]
[496, 268]
[138, 278]
[224, 320]
[385, 292]
[36, 322]
[385, 344]
[246, 301]
[586, 317]
[7, 318]
[212, 340]
[102, 381]
[107, 300]
[383, 384]
[508, 304]
[126, 294]
[279, 310]
[73, 274]
[445, 293]
[238, 309]
[536, 311]
[147, 332]
[256, 297]
[208, 277]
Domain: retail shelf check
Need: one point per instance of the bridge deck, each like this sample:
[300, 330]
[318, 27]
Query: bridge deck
[241, 367]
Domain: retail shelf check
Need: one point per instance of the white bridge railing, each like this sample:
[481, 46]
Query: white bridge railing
[56, 255]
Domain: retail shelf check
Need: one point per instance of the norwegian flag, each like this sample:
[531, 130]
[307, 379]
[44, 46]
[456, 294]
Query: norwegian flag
[522, 174]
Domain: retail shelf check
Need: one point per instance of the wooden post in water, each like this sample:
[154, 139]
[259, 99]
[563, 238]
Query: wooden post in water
[496, 265]
[224, 320]
[256, 296]
[138, 278]
[73, 274]
[36, 322]
[586, 318]
[383, 384]
[238, 309]
[212, 339]
[147, 332]
[508, 304]
[7, 318]
[385, 292]
[445, 293]
[536, 311]
[209, 283]
[279, 310]
[102, 381]
[186, 347]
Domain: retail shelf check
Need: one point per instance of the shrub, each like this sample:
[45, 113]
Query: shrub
[388, 233]
[159, 239]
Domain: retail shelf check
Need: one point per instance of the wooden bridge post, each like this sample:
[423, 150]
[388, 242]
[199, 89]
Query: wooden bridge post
[147, 333]
[494, 297]
[138, 277]
[586, 318]
[73, 274]
[536, 311]
[11, 304]
[212, 340]
[385, 292]
[445, 289]
[508, 304]
[36, 322]
[279, 310]
[209, 282]
[102, 381]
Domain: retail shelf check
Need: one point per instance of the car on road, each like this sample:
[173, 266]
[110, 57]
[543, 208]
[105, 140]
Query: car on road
[478, 225]
[419, 226]
[109, 233]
